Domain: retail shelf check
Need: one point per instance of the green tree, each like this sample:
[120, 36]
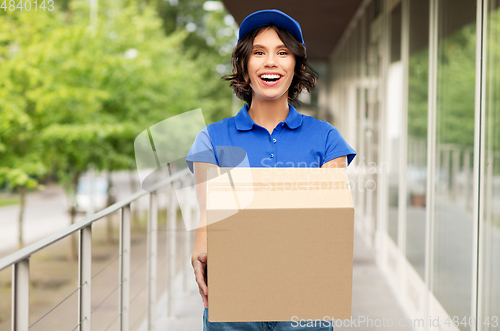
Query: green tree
[21, 164]
[74, 95]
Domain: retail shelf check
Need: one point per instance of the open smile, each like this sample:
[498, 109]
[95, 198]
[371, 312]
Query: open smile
[270, 79]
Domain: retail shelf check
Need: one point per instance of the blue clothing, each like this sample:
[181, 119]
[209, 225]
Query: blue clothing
[299, 141]
[295, 325]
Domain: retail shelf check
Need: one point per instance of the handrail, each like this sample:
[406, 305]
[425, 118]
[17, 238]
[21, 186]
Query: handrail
[27, 251]
[20, 260]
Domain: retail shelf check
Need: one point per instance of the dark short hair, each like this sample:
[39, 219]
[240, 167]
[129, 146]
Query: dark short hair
[304, 77]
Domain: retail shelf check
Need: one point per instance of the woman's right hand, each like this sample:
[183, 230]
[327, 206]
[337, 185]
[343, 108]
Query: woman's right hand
[200, 271]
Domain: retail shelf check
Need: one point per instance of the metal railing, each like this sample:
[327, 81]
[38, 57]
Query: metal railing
[20, 260]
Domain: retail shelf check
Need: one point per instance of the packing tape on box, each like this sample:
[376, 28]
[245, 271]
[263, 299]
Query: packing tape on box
[281, 186]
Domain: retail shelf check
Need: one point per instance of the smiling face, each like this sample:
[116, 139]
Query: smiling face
[270, 67]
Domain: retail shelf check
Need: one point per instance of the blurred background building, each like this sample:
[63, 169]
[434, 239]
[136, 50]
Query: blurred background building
[413, 87]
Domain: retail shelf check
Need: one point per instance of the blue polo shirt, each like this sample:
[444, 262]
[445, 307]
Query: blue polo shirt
[298, 141]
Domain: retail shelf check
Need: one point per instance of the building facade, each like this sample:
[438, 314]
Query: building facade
[413, 85]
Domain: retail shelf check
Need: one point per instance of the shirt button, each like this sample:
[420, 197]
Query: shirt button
[282, 124]
[274, 140]
[272, 155]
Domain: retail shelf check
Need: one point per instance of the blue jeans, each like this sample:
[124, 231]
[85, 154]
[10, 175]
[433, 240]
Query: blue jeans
[263, 326]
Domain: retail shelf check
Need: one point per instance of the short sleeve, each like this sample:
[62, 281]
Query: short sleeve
[336, 146]
[201, 151]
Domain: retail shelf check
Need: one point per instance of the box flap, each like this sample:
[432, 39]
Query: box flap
[274, 188]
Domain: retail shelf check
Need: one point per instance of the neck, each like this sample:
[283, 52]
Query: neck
[268, 114]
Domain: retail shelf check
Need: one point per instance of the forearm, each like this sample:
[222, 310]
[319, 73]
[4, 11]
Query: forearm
[201, 176]
[200, 239]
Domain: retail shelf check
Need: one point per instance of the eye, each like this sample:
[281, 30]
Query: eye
[259, 52]
[283, 53]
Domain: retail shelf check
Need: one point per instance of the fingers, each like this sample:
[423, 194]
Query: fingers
[204, 298]
[202, 257]
[202, 288]
[199, 264]
[199, 273]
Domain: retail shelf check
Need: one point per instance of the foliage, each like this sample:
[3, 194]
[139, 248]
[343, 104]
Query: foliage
[418, 77]
[8, 201]
[456, 88]
[72, 94]
[492, 129]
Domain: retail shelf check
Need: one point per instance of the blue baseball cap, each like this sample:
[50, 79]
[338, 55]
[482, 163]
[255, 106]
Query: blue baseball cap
[270, 16]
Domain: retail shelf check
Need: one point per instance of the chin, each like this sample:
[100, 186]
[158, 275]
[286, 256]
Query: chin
[272, 97]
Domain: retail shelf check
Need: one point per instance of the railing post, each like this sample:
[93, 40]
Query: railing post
[85, 276]
[468, 178]
[20, 295]
[124, 300]
[455, 169]
[188, 220]
[171, 245]
[446, 168]
[152, 259]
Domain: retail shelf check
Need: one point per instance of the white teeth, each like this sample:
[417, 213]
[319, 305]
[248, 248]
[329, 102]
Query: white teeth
[270, 76]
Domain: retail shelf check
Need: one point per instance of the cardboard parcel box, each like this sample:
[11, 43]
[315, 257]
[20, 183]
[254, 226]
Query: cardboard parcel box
[280, 244]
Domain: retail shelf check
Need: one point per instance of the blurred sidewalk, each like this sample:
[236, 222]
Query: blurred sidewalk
[46, 212]
[371, 298]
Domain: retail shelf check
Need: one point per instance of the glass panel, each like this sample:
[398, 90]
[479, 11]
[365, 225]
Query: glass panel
[373, 47]
[491, 216]
[358, 194]
[394, 104]
[368, 22]
[416, 173]
[355, 51]
[453, 218]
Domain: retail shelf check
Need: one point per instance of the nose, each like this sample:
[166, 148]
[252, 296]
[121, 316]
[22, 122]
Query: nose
[270, 61]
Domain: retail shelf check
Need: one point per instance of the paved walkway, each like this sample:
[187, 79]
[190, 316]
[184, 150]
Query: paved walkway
[371, 298]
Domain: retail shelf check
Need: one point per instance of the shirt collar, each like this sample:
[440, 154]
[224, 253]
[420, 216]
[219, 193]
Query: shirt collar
[245, 122]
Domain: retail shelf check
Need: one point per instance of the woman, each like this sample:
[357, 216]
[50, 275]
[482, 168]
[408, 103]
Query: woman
[269, 71]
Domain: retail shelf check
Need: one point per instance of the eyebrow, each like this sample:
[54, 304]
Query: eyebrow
[261, 46]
